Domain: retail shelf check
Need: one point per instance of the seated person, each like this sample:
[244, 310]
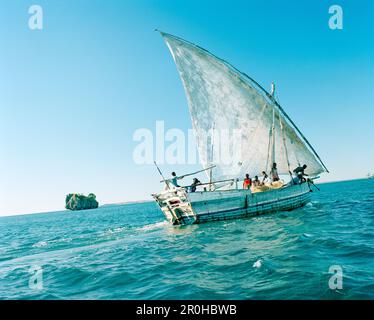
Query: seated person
[256, 182]
[247, 182]
[300, 174]
[195, 183]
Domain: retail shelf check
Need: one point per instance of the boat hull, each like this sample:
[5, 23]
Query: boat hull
[181, 208]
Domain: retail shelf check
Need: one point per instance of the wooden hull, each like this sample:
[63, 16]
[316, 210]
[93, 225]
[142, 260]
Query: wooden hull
[180, 207]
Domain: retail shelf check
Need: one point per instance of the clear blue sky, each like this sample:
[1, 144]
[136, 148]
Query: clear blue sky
[72, 95]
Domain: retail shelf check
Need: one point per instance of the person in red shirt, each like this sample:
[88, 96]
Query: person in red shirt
[247, 182]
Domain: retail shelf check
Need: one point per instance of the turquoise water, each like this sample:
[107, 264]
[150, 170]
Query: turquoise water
[129, 252]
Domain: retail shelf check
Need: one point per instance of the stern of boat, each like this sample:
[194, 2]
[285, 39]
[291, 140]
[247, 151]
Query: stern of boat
[176, 207]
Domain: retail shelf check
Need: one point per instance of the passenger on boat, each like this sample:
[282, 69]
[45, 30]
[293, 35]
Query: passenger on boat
[265, 178]
[174, 179]
[274, 173]
[194, 184]
[300, 174]
[256, 182]
[247, 182]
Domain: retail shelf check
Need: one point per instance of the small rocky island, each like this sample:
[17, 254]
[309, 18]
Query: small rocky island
[76, 201]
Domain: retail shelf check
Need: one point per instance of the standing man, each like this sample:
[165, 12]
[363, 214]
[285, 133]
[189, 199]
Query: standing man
[174, 179]
[247, 182]
[274, 173]
[264, 178]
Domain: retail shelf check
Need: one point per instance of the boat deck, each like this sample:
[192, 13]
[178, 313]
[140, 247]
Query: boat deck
[180, 207]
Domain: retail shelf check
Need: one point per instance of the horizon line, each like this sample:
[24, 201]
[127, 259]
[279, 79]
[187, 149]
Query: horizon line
[143, 201]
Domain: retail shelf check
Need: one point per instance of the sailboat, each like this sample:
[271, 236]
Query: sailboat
[220, 97]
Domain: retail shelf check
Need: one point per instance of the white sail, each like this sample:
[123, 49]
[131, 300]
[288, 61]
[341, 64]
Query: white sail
[241, 112]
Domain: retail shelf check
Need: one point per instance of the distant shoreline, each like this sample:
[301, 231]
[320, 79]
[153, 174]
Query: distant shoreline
[126, 202]
[63, 210]
[347, 180]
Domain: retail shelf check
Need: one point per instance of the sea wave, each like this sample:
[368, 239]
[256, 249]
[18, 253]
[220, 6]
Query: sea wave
[129, 252]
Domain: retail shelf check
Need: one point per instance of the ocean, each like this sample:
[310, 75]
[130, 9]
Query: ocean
[324, 250]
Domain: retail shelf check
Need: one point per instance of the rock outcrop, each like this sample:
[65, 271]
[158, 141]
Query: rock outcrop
[76, 201]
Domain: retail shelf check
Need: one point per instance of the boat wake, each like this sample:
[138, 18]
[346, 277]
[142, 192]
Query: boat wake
[154, 226]
[42, 243]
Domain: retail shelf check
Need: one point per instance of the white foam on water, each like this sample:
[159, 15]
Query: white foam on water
[257, 264]
[308, 235]
[154, 226]
[40, 244]
[113, 231]
[49, 242]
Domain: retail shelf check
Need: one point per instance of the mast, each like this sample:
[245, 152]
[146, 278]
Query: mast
[211, 159]
[273, 129]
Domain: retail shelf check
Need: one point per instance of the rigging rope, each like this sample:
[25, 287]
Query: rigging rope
[283, 137]
[212, 155]
[284, 143]
[268, 156]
